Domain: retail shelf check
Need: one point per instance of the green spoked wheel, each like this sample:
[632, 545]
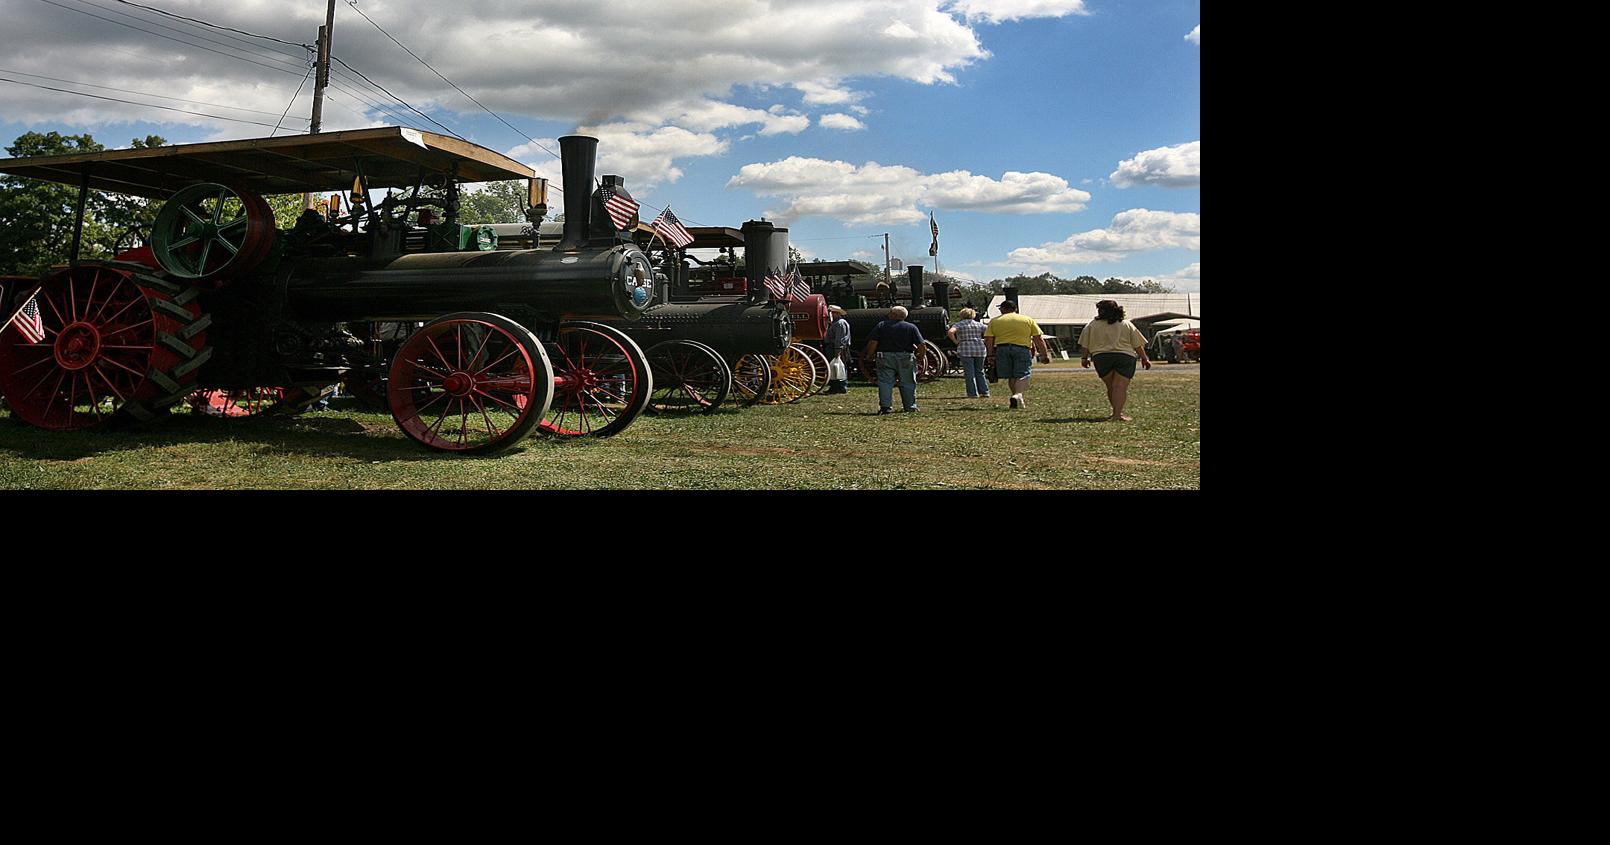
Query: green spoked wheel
[212, 233]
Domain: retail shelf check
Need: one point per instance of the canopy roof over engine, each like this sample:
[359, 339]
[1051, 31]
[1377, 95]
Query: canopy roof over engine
[390, 157]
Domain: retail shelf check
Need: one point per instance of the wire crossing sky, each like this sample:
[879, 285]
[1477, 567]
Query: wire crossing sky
[1056, 136]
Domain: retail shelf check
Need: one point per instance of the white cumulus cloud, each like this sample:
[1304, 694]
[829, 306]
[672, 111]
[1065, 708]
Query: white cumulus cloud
[1001, 11]
[874, 192]
[1195, 35]
[840, 121]
[1168, 167]
[1135, 230]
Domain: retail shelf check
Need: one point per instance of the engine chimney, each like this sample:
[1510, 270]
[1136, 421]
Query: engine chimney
[915, 277]
[576, 155]
[1010, 293]
[758, 258]
[942, 295]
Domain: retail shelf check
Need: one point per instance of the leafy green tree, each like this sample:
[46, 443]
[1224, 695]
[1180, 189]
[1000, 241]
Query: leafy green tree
[494, 202]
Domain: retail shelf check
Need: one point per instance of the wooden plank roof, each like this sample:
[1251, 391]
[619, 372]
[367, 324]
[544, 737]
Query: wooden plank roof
[391, 157]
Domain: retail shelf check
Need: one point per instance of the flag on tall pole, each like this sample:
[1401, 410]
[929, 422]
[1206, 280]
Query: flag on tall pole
[670, 228]
[28, 320]
[934, 249]
[619, 204]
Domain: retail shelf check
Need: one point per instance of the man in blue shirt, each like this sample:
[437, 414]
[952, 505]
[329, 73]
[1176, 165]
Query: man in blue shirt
[897, 344]
[835, 345]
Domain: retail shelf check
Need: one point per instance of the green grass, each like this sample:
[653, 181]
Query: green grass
[822, 442]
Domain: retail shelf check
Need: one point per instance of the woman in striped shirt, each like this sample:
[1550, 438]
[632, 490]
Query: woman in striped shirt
[968, 335]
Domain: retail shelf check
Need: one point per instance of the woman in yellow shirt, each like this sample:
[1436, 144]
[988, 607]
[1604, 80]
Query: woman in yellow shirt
[1115, 344]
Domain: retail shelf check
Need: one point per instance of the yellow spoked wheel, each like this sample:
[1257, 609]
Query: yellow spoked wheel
[751, 378]
[792, 377]
[819, 360]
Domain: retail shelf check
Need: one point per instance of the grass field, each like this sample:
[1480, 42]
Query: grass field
[822, 442]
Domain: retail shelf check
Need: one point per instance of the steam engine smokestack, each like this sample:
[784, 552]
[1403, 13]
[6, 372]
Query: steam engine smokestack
[577, 154]
[758, 258]
[915, 274]
[942, 295]
[1010, 293]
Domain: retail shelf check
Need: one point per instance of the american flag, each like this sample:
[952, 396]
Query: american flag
[797, 286]
[777, 285]
[672, 229]
[28, 320]
[619, 204]
[934, 249]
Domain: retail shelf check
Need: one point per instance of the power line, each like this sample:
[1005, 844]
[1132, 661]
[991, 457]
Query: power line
[132, 103]
[292, 102]
[142, 93]
[397, 98]
[192, 34]
[213, 25]
[170, 38]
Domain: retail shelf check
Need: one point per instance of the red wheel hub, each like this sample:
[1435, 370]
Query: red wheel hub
[77, 346]
[459, 384]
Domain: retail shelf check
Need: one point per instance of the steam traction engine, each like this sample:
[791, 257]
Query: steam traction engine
[221, 300]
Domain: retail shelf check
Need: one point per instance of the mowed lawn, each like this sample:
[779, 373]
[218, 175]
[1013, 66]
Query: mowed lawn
[822, 442]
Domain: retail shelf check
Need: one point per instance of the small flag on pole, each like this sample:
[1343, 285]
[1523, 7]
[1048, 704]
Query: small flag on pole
[672, 229]
[798, 288]
[619, 204]
[934, 248]
[28, 321]
[778, 287]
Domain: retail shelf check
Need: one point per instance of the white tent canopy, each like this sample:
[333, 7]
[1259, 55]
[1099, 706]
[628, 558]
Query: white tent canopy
[1178, 326]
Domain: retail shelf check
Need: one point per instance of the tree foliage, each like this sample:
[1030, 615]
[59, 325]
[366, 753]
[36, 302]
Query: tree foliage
[1046, 283]
[494, 202]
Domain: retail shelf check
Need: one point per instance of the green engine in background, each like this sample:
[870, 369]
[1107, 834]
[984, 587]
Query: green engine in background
[455, 237]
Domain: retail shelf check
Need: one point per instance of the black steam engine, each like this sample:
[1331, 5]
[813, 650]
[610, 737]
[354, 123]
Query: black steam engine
[220, 304]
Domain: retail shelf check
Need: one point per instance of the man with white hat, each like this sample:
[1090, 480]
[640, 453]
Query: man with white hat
[836, 342]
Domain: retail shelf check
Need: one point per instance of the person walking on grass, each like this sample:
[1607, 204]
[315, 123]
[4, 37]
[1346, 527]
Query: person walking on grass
[896, 344]
[1115, 344]
[835, 345]
[1007, 337]
[968, 335]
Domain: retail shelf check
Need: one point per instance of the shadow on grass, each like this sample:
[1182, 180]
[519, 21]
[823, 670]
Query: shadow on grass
[1074, 420]
[315, 436]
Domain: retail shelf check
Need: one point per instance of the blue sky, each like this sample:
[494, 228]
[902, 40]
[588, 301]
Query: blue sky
[837, 119]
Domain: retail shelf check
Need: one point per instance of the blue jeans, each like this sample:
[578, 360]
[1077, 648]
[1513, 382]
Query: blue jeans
[901, 366]
[977, 381]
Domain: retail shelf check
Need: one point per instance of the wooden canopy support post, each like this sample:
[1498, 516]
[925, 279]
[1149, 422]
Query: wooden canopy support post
[78, 217]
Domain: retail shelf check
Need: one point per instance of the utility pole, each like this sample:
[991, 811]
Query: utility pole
[886, 280]
[321, 77]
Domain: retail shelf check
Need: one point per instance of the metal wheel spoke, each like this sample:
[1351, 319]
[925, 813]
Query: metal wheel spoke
[516, 408]
[105, 335]
[109, 385]
[192, 215]
[422, 408]
[109, 297]
[439, 356]
[506, 355]
[233, 250]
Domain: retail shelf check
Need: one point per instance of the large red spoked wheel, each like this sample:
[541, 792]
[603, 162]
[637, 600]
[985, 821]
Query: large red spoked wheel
[751, 378]
[601, 381]
[116, 343]
[688, 376]
[210, 233]
[470, 382]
